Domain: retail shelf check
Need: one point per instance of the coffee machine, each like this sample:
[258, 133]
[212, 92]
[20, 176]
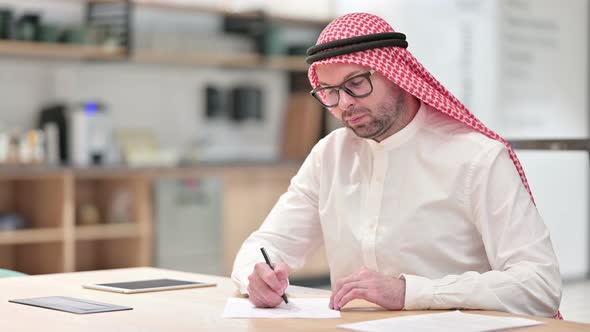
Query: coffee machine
[84, 133]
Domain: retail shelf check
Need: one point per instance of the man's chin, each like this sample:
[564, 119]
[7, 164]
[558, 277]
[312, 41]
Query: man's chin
[362, 132]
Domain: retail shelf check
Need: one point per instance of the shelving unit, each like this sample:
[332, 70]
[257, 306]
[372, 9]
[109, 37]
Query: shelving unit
[50, 201]
[291, 63]
[59, 239]
[244, 61]
[239, 60]
[224, 11]
[60, 51]
[24, 236]
[79, 52]
[106, 231]
[197, 59]
[55, 241]
[38, 198]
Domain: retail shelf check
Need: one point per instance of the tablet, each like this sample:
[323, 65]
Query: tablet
[70, 304]
[152, 285]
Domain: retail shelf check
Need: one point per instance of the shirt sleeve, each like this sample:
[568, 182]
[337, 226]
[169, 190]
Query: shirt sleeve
[524, 276]
[291, 232]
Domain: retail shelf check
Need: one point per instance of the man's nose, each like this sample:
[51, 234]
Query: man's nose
[346, 100]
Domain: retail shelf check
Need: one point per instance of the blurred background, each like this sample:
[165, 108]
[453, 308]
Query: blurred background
[154, 132]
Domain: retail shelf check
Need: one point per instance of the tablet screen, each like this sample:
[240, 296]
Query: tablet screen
[154, 283]
[151, 285]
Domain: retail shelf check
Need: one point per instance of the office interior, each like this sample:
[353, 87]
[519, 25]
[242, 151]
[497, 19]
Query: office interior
[161, 133]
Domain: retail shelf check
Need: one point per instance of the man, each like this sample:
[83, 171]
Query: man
[418, 204]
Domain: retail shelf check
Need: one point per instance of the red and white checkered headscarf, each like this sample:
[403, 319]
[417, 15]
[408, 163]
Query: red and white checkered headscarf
[399, 66]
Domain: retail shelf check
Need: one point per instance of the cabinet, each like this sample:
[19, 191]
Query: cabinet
[122, 237]
[248, 193]
[39, 199]
[56, 239]
[248, 199]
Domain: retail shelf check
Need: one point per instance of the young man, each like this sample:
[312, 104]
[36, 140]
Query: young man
[418, 204]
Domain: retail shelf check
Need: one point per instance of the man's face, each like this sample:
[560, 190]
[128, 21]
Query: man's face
[373, 116]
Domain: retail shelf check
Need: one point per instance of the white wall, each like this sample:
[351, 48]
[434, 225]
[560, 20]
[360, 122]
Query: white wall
[25, 85]
[543, 63]
[560, 181]
[521, 66]
[453, 39]
[170, 101]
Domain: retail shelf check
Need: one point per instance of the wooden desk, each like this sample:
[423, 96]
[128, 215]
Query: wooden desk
[197, 309]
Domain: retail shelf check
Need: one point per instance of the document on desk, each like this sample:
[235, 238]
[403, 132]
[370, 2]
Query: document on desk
[296, 308]
[444, 322]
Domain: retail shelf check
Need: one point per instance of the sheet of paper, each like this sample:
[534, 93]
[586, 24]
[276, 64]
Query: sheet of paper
[308, 291]
[450, 321]
[296, 308]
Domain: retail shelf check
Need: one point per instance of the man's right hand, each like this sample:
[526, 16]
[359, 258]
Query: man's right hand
[267, 286]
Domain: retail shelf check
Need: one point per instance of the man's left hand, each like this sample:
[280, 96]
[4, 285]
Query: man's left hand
[386, 291]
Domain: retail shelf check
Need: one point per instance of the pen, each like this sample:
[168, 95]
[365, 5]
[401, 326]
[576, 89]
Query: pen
[284, 296]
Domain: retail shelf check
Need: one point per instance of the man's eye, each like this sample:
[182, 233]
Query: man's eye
[355, 82]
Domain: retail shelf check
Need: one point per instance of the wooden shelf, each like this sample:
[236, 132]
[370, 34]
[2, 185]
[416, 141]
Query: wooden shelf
[291, 63]
[57, 51]
[244, 60]
[60, 51]
[224, 11]
[30, 172]
[173, 5]
[39, 235]
[107, 231]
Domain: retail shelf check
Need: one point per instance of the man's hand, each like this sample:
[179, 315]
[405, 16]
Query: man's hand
[267, 286]
[388, 292]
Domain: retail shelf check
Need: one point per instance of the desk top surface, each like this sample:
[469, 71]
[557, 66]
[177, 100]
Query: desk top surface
[195, 309]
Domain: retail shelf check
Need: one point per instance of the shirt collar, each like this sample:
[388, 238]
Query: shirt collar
[401, 136]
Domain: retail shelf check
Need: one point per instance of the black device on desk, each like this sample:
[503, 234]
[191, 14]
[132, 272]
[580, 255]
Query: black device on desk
[70, 304]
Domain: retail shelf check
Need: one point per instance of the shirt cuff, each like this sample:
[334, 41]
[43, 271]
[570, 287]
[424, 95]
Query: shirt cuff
[241, 283]
[419, 292]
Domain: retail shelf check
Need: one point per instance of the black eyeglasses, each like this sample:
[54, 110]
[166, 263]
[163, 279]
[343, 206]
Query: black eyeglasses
[358, 86]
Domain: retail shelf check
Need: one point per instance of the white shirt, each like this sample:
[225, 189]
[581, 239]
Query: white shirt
[437, 203]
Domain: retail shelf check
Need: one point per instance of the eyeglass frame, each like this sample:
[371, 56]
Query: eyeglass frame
[367, 75]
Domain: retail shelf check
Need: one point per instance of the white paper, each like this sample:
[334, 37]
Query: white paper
[296, 308]
[451, 322]
[308, 291]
